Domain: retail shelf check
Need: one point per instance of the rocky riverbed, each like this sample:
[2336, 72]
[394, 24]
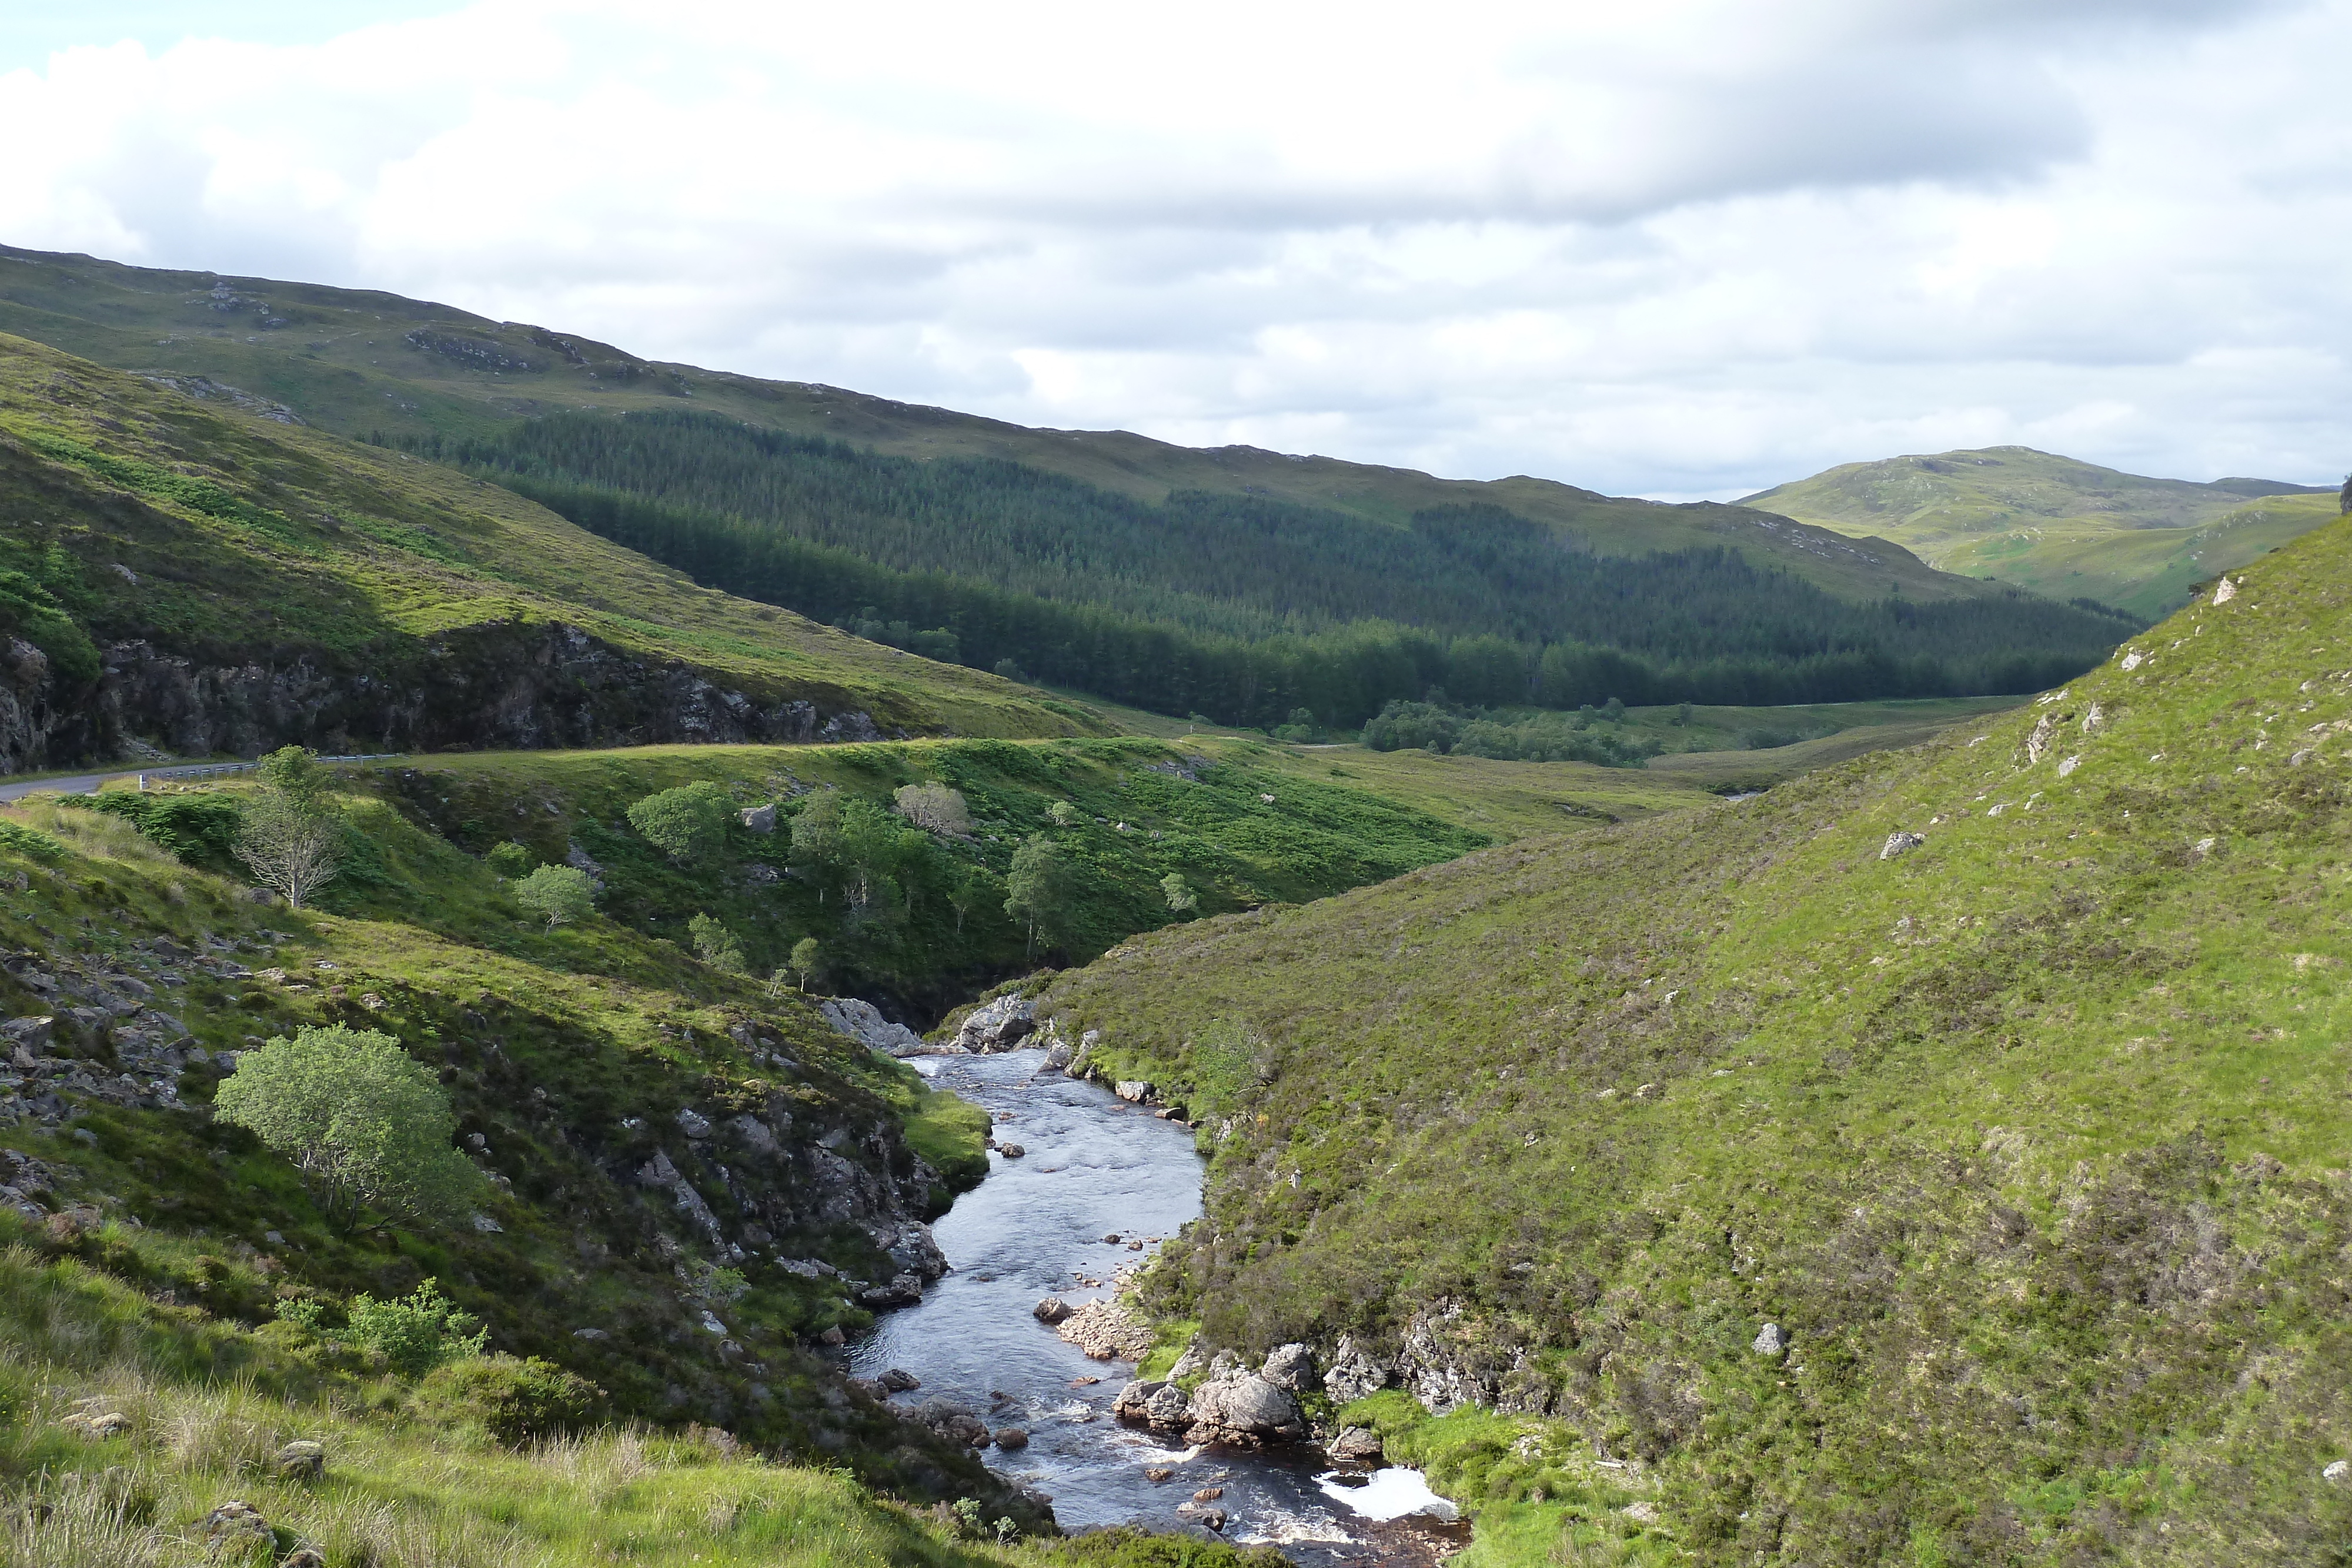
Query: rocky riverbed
[1096, 1181]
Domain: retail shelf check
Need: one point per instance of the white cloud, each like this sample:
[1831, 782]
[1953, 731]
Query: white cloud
[1691, 248]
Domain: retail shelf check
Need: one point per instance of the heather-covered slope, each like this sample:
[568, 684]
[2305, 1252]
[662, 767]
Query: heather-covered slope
[2028, 1132]
[198, 577]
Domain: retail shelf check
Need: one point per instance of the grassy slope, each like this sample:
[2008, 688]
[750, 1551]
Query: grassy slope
[310, 541]
[406, 1486]
[2051, 524]
[2031, 1136]
[339, 358]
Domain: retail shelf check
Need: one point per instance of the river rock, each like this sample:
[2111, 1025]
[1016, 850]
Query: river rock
[1105, 1330]
[952, 1422]
[1355, 1446]
[913, 1247]
[1244, 1410]
[903, 1290]
[863, 1021]
[1000, 1025]
[1355, 1372]
[898, 1380]
[1135, 1090]
[1052, 1310]
[1011, 1439]
[1291, 1366]
[1159, 1404]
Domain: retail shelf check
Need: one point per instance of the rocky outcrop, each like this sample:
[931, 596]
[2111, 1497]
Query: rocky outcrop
[1355, 1372]
[1237, 1410]
[1356, 1445]
[1292, 1367]
[1244, 1410]
[863, 1021]
[500, 684]
[1000, 1025]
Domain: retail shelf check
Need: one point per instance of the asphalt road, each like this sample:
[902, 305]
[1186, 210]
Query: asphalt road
[87, 783]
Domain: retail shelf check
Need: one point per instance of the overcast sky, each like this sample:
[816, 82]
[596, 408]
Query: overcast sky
[1689, 247]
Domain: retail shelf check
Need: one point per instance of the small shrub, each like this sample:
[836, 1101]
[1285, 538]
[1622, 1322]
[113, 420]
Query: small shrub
[418, 1332]
[29, 842]
[516, 1402]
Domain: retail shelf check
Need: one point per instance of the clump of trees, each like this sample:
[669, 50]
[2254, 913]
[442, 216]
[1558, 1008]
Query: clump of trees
[717, 946]
[291, 836]
[1040, 892]
[367, 1125]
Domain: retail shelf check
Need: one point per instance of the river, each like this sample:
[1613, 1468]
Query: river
[1096, 1167]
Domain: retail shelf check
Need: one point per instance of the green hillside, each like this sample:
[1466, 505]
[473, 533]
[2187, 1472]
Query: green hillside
[2056, 526]
[291, 585]
[1241, 584]
[2028, 1134]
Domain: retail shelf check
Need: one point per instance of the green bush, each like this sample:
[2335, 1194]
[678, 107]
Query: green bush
[687, 823]
[516, 1402]
[365, 1122]
[418, 1332]
[511, 860]
[26, 840]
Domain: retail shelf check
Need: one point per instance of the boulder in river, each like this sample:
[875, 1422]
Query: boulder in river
[1012, 1437]
[1355, 1446]
[1052, 1310]
[1133, 1090]
[1000, 1025]
[898, 1380]
[1160, 1406]
[1104, 1329]
[1244, 1410]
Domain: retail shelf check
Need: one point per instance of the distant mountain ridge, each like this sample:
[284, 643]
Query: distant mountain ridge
[2056, 524]
[1240, 584]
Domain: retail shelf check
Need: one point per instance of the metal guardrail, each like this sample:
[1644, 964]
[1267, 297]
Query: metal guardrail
[216, 770]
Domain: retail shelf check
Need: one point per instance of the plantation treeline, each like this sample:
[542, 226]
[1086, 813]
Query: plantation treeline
[1243, 607]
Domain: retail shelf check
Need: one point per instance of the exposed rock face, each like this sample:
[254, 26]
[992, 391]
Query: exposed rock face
[863, 1021]
[1900, 843]
[1355, 1372]
[1105, 1330]
[999, 1026]
[502, 685]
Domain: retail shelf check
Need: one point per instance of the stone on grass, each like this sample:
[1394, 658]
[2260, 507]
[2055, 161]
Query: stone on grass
[1770, 1340]
[301, 1460]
